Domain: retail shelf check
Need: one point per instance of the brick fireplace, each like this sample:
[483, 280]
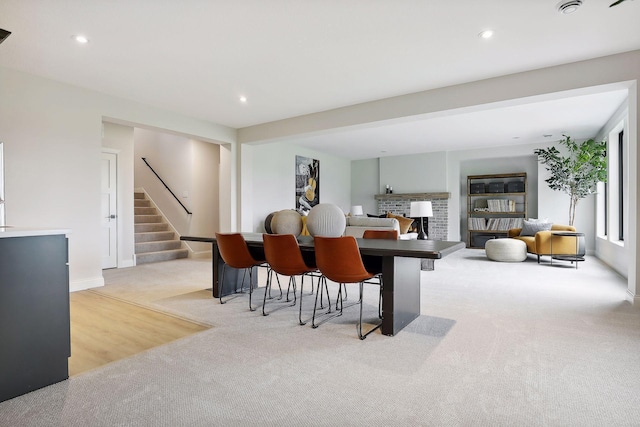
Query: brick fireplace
[400, 204]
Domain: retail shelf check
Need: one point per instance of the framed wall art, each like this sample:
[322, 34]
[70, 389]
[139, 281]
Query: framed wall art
[307, 183]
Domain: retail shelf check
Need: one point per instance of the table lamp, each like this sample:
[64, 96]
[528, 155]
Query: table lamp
[356, 210]
[421, 210]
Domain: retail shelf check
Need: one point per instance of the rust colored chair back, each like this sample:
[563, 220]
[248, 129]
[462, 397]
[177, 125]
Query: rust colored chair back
[283, 254]
[235, 253]
[380, 234]
[284, 257]
[338, 258]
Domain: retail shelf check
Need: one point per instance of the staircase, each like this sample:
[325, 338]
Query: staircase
[154, 241]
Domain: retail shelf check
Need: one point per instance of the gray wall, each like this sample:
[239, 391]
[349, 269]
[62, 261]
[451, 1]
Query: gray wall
[415, 173]
[365, 183]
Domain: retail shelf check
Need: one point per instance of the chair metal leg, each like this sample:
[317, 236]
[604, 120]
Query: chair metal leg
[267, 290]
[250, 288]
[360, 335]
[320, 291]
[221, 284]
[270, 281]
[292, 285]
[314, 325]
[292, 281]
[289, 289]
[301, 294]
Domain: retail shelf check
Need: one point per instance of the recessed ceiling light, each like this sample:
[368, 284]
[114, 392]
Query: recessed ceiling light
[243, 99]
[80, 38]
[486, 34]
[567, 7]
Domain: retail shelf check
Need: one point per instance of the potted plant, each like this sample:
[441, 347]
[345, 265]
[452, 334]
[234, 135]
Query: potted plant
[577, 172]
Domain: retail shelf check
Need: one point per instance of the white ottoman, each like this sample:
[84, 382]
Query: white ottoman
[506, 250]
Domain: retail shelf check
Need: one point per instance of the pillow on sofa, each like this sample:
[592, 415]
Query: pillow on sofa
[376, 216]
[530, 228]
[405, 222]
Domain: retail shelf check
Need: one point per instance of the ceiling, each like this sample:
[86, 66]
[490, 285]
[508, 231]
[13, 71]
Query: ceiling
[296, 57]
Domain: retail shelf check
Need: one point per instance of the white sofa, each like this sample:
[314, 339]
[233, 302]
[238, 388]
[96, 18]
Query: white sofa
[356, 225]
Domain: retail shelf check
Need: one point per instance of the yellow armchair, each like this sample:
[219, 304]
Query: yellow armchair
[540, 244]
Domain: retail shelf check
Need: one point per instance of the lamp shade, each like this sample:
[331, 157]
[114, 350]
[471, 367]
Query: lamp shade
[421, 209]
[356, 210]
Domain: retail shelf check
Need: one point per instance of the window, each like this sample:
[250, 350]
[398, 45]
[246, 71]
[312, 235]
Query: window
[620, 177]
[611, 195]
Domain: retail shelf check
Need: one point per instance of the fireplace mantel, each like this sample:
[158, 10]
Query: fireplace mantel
[413, 196]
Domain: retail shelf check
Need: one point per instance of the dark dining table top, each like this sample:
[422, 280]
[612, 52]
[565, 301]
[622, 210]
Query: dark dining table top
[432, 249]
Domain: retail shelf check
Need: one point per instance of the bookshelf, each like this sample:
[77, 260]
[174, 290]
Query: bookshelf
[495, 204]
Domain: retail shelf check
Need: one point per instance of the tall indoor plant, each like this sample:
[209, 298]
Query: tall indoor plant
[577, 172]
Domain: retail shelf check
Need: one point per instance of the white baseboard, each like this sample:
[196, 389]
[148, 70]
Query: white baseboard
[200, 255]
[126, 263]
[81, 285]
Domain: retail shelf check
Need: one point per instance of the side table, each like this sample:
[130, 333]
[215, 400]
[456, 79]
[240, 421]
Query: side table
[575, 257]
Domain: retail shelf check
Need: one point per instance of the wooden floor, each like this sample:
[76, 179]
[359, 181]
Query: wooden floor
[105, 329]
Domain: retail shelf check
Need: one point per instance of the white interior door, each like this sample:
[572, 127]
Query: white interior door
[109, 220]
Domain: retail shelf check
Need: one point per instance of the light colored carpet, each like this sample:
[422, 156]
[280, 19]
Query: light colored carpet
[498, 344]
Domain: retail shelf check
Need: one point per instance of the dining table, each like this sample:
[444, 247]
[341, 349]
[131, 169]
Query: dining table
[400, 261]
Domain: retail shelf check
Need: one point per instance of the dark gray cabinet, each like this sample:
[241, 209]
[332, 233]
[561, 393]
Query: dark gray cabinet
[35, 341]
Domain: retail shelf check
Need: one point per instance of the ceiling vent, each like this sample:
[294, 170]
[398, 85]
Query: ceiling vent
[4, 34]
[567, 7]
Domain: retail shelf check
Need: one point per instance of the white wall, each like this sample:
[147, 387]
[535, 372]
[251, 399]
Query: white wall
[52, 134]
[608, 249]
[273, 180]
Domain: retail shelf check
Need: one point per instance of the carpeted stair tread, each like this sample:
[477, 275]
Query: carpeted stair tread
[159, 256]
[154, 241]
[160, 245]
[154, 236]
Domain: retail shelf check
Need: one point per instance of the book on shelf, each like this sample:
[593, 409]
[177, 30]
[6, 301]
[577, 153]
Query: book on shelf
[477, 224]
[501, 205]
[503, 223]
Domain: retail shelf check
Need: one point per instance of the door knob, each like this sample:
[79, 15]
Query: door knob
[111, 217]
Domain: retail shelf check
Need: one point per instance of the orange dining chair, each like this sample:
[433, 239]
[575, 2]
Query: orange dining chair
[284, 257]
[339, 260]
[235, 253]
[376, 268]
[380, 234]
